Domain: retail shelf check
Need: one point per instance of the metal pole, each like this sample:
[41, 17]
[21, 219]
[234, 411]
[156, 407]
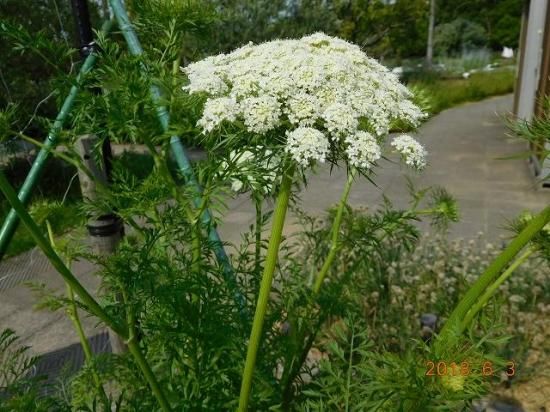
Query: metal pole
[180, 154]
[83, 26]
[430, 47]
[12, 220]
[107, 230]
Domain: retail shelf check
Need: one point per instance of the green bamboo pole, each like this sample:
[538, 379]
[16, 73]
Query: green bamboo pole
[454, 325]
[180, 155]
[265, 286]
[12, 220]
[56, 261]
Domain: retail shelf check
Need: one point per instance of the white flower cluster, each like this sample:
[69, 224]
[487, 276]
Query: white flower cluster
[326, 92]
[306, 143]
[412, 152]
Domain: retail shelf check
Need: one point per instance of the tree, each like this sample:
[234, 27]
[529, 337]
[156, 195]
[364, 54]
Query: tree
[501, 19]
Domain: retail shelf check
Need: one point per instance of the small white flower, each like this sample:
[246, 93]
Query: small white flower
[261, 114]
[339, 119]
[302, 109]
[413, 152]
[363, 150]
[203, 77]
[306, 144]
[216, 111]
[516, 299]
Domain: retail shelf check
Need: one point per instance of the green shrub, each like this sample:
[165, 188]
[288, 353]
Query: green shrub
[448, 93]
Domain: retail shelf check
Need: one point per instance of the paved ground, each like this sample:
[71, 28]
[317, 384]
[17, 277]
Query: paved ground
[465, 144]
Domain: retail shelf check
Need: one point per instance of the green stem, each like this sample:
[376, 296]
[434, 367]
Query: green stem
[334, 238]
[88, 354]
[493, 288]
[453, 324]
[175, 70]
[73, 315]
[196, 245]
[301, 331]
[350, 368]
[56, 261]
[135, 350]
[258, 233]
[265, 286]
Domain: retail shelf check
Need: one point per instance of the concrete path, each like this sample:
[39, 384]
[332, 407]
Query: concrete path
[465, 144]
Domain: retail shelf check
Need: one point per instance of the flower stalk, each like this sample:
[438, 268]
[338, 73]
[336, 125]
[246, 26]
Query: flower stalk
[72, 312]
[334, 236]
[493, 288]
[454, 325]
[139, 357]
[265, 286]
[258, 234]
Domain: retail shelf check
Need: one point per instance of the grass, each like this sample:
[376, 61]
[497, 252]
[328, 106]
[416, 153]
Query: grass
[446, 93]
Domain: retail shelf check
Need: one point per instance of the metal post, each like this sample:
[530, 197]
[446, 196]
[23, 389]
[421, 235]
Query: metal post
[105, 231]
[83, 26]
[430, 47]
[12, 220]
[180, 155]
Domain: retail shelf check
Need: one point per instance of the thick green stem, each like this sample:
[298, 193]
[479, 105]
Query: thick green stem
[56, 261]
[265, 286]
[453, 324]
[258, 234]
[334, 237]
[493, 288]
[75, 319]
[135, 350]
[295, 367]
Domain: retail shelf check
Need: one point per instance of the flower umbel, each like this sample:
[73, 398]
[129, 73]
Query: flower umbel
[306, 144]
[325, 93]
[413, 153]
